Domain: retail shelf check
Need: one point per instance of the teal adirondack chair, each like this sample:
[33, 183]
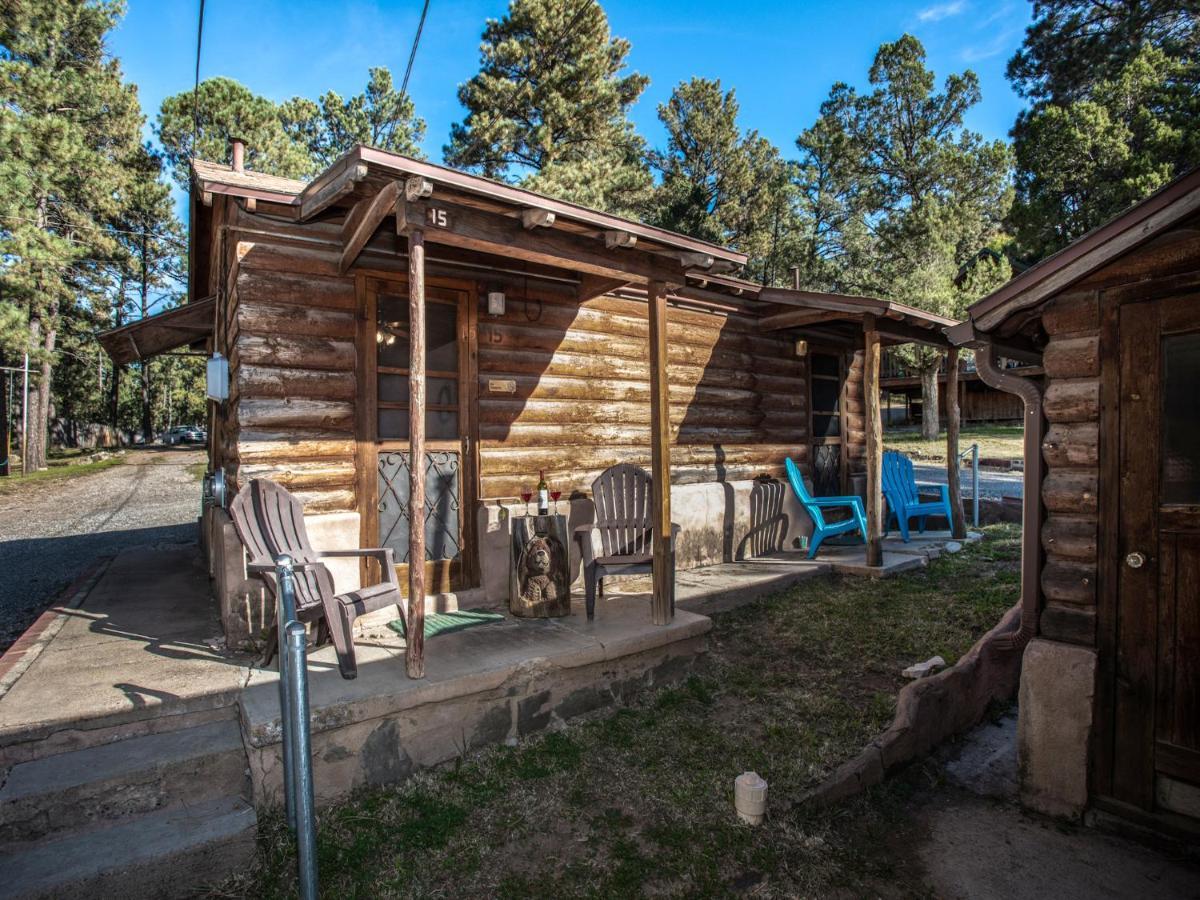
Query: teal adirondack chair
[813, 506]
[904, 503]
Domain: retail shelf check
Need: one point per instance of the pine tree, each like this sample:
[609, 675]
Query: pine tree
[1116, 97]
[906, 194]
[379, 117]
[718, 183]
[67, 123]
[549, 107]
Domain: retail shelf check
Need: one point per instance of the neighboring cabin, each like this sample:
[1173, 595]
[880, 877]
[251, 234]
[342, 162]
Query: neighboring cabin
[1110, 686]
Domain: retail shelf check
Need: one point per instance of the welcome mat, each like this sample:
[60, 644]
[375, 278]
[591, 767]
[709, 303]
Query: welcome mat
[449, 622]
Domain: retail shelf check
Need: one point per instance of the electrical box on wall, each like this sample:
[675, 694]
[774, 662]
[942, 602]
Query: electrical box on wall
[218, 378]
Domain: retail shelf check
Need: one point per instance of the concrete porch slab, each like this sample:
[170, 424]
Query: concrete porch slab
[714, 589]
[852, 560]
[134, 652]
[482, 686]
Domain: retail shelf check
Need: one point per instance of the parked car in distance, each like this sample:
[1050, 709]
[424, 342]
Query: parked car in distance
[184, 434]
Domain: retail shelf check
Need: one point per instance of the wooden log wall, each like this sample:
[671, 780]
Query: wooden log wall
[1071, 453]
[582, 394]
[854, 439]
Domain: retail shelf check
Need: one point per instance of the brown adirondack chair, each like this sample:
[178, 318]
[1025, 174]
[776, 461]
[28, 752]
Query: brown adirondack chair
[270, 521]
[623, 498]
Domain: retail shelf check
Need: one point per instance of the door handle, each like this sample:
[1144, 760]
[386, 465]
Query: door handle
[1135, 560]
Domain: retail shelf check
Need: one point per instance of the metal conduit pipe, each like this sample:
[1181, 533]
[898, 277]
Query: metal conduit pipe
[1031, 502]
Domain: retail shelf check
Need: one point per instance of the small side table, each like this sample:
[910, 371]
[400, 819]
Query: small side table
[539, 575]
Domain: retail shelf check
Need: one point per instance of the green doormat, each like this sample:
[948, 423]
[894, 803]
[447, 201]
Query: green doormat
[449, 622]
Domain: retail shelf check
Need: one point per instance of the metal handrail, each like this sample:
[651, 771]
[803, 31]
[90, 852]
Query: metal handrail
[974, 451]
[294, 721]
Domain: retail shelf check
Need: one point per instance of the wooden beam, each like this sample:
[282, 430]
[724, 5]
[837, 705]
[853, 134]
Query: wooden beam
[592, 286]
[696, 260]
[414, 651]
[874, 428]
[331, 190]
[958, 525]
[364, 218]
[472, 229]
[537, 218]
[798, 318]
[623, 239]
[662, 602]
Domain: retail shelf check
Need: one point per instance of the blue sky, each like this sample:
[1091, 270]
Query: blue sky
[782, 57]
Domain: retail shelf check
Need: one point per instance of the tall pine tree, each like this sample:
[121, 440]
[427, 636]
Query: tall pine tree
[718, 183]
[67, 125]
[1115, 91]
[549, 107]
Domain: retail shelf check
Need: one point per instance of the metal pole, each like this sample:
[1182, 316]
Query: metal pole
[285, 612]
[306, 824]
[975, 484]
[25, 422]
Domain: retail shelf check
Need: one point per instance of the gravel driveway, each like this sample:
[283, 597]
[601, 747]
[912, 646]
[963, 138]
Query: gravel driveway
[51, 532]
[991, 483]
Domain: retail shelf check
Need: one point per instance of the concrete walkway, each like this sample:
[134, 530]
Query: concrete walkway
[976, 842]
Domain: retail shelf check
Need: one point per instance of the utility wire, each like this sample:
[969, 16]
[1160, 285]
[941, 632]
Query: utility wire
[413, 53]
[196, 89]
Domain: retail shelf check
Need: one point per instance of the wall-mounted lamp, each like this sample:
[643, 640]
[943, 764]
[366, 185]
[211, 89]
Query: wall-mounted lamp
[801, 348]
[495, 303]
[218, 378]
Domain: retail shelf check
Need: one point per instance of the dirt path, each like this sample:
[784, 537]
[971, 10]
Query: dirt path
[51, 532]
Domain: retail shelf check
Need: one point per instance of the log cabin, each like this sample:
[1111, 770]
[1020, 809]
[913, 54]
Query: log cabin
[557, 340]
[1109, 718]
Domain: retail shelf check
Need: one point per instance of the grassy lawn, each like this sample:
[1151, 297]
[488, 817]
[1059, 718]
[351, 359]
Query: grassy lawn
[995, 441]
[66, 465]
[639, 800]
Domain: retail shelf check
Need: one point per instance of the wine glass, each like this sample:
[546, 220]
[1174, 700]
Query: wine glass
[554, 495]
[527, 495]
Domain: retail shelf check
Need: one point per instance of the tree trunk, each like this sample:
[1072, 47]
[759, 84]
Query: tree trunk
[930, 423]
[39, 397]
[114, 411]
[147, 419]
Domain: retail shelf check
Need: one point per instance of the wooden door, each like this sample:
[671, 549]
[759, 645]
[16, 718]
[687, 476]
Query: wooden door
[1155, 675]
[449, 477]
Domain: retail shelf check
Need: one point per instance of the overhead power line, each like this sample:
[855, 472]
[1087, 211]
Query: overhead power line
[196, 89]
[413, 53]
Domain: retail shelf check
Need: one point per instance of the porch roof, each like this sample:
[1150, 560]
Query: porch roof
[160, 333]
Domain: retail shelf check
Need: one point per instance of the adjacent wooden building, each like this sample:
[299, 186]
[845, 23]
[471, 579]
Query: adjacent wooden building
[1110, 688]
[557, 339]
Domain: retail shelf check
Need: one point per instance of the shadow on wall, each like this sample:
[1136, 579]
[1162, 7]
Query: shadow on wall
[769, 524]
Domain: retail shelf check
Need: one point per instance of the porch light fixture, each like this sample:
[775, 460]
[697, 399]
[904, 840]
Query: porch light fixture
[495, 303]
[218, 378]
[801, 348]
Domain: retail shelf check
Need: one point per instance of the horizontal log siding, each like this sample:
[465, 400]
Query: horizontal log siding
[582, 394]
[292, 379]
[1071, 454]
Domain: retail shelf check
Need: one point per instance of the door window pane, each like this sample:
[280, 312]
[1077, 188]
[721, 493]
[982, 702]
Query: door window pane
[438, 391]
[441, 334]
[440, 424]
[825, 364]
[825, 393]
[1181, 419]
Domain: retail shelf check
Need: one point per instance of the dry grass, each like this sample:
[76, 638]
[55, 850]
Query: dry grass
[58, 468]
[639, 800]
[995, 442]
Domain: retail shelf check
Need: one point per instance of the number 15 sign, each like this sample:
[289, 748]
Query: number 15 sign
[437, 218]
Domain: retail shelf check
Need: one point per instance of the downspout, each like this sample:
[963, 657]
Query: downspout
[1030, 393]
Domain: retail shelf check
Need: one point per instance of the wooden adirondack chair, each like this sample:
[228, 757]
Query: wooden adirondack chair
[900, 487]
[270, 521]
[813, 506]
[623, 499]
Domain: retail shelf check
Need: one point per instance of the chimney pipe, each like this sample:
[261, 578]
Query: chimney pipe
[795, 278]
[238, 148]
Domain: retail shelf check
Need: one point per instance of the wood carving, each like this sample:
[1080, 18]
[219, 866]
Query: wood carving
[540, 583]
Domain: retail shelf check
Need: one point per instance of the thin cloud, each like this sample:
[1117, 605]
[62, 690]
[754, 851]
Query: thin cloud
[942, 11]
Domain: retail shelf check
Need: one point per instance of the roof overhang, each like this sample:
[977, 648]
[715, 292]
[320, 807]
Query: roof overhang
[160, 333]
[1140, 223]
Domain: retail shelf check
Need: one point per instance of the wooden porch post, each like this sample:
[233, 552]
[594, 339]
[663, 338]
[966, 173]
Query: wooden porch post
[662, 604]
[958, 524]
[874, 427]
[414, 651]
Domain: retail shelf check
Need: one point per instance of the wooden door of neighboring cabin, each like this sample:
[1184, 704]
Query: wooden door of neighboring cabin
[449, 481]
[1154, 676]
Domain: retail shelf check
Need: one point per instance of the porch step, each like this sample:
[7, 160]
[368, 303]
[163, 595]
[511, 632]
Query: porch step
[116, 781]
[166, 853]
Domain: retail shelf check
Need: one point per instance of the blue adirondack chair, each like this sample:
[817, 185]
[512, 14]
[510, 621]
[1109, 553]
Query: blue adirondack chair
[904, 503]
[813, 506]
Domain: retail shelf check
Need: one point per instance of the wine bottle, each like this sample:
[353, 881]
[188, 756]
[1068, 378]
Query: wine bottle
[543, 491]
